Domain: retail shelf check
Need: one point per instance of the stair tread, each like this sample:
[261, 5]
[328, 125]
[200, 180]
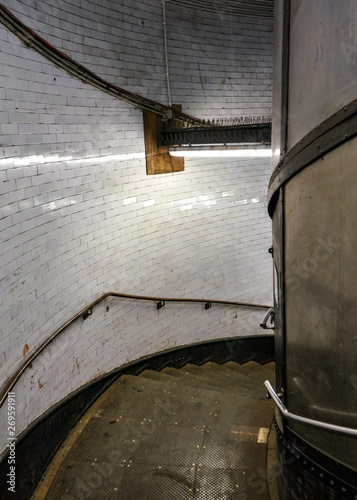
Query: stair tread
[220, 374]
[194, 375]
[170, 431]
[270, 366]
[255, 367]
[194, 390]
[251, 369]
[239, 370]
[255, 391]
[183, 380]
[154, 375]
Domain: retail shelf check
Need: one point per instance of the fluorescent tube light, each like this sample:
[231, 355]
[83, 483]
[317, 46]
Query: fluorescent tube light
[221, 153]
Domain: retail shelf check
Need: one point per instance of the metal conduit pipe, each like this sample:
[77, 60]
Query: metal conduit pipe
[87, 311]
[166, 54]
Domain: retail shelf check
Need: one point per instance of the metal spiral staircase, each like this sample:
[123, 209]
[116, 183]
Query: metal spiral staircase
[195, 432]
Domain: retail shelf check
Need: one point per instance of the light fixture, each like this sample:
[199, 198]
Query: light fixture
[25, 161]
[221, 152]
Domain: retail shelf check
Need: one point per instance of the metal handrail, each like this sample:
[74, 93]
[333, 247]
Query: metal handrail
[305, 420]
[269, 316]
[84, 313]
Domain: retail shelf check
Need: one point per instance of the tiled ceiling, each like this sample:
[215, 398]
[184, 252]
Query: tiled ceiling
[251, 8]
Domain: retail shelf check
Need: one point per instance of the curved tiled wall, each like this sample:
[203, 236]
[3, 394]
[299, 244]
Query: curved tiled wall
[219, 65]
[80, 217]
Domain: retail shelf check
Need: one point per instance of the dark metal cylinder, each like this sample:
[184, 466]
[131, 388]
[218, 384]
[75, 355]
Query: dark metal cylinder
[313, 204]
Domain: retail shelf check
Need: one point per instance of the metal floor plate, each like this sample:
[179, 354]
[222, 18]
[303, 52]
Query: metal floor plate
[150, 441]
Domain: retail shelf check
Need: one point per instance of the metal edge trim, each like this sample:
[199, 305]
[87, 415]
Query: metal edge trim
[334, 131]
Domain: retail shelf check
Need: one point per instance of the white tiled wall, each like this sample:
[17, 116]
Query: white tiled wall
[220, 66]
[80, 217]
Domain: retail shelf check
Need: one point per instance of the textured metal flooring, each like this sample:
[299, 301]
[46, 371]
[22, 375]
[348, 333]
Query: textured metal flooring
[197, 432]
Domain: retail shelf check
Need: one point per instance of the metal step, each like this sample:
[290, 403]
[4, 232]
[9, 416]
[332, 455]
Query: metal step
[207, 381]
[194, 432]
[216, 373]
[252, 370]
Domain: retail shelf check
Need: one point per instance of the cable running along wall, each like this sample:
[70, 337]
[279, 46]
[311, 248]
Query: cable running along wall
[34, 41]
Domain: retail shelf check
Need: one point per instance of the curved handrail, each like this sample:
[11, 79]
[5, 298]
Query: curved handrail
[309, 421]
[88, 309]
